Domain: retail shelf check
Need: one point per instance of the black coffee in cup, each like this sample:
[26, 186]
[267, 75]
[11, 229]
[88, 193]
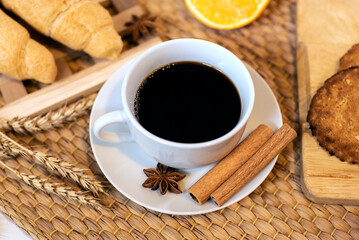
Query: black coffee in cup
[187, 102]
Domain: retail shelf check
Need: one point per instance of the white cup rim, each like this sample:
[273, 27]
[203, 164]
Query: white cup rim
[215, 141]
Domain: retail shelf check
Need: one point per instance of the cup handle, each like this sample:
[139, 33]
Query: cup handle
[111, 118]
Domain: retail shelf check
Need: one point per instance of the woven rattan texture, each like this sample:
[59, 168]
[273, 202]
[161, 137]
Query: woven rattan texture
[275, 210]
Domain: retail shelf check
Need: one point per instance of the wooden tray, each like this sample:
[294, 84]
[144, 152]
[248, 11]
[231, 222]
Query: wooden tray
[326, 29]
[71, 83]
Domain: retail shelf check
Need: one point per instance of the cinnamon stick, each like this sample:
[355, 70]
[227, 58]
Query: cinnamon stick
[206, 185]
[254, 165]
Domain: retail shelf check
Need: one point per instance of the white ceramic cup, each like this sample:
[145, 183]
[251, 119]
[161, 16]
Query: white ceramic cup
[174, 154]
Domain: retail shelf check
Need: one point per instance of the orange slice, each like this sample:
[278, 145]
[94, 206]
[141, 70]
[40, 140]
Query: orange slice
[226, 14]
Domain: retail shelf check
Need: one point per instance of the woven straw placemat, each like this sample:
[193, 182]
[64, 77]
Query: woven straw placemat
[277, 209]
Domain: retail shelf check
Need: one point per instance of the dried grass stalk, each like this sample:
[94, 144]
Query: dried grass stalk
[7, 153]
[64, 168]
[58, 188]
[53, 119]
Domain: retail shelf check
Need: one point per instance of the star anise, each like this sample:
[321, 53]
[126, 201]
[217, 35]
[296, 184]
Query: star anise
[163, 177]
[139, 26]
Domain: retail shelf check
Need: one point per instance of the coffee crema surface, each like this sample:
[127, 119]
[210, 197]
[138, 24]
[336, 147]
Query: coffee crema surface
[187, 102]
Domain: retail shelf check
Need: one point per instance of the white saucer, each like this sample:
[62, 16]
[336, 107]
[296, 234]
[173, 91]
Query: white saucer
[123, 163]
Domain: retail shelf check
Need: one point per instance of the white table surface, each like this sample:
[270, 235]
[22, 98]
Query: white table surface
[10, 231]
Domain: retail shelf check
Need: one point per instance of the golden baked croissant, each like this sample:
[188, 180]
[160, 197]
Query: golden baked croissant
[79, 24]
[20, 56]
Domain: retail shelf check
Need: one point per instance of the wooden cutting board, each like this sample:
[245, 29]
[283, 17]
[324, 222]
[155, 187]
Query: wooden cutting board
[326, 29]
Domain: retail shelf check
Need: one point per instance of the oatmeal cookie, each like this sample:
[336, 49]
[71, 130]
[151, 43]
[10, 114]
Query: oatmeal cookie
[350, 58]
[334, 115]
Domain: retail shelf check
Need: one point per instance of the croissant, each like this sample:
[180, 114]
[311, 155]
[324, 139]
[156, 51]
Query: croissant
[78, 24]
[22, 57]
